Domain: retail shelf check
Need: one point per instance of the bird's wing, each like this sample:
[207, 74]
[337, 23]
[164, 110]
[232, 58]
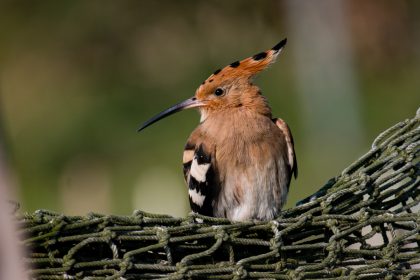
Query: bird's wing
[291, 155]
[200, 176]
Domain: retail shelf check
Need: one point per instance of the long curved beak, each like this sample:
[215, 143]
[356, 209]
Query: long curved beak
[189, 103]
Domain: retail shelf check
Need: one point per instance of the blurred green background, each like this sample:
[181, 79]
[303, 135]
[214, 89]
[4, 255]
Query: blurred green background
[79, 77]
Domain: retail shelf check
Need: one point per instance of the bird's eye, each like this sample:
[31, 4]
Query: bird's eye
[219, 92]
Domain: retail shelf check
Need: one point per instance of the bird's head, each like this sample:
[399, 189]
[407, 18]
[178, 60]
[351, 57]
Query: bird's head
[227, 88]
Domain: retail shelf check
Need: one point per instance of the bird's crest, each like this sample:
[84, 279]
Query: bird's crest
[248, 67]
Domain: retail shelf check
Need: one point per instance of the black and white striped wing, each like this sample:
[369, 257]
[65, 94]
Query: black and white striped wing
[200, 176]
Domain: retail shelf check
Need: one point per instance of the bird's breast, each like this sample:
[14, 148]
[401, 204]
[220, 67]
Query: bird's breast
[243, 138]
[249, 158]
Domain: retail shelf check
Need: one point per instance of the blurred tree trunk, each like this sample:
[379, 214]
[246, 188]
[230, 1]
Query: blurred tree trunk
[11, 253]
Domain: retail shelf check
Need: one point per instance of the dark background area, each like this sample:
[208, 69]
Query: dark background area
[77, 78]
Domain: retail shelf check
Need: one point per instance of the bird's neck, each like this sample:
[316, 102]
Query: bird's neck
[237, 124]
[257, 104]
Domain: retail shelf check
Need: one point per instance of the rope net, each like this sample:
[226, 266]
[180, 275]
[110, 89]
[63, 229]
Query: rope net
[363, 224]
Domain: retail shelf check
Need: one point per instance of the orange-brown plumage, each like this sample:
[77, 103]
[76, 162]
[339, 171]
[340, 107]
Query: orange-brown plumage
[239, 161]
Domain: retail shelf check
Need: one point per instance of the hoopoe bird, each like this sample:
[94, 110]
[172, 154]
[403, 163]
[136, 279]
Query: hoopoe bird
[239, 161]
